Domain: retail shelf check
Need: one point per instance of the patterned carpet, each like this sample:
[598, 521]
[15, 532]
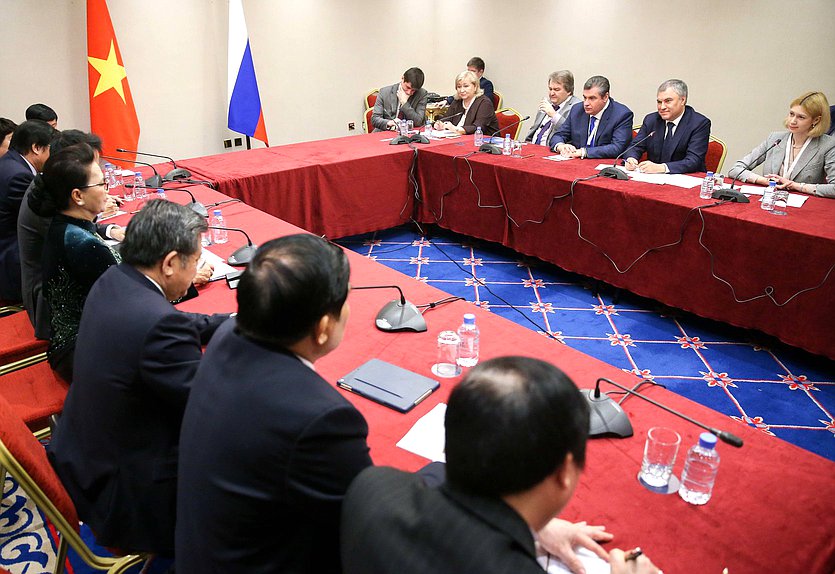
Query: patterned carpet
[785, 392]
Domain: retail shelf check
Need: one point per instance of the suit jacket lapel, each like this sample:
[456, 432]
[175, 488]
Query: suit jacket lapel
[808, 154]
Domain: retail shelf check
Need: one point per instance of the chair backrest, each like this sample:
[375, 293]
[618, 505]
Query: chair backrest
[24, 458]
[371, 98]
[497, 100]
[716, 152]
[506, 118]
[368, 127]
[17, 338]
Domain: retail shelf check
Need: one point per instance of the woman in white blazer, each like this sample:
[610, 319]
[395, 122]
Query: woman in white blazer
[803, 159]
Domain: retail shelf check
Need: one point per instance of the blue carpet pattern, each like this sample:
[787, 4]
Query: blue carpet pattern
[751, 377]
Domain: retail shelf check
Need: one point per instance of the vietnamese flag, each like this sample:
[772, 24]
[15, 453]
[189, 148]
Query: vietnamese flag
[112, 113]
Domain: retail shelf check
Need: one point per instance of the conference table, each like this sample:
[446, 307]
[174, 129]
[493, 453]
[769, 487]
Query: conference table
[733, 262]
[773, 504]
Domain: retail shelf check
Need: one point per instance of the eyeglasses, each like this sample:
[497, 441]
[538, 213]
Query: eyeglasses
[104, 183]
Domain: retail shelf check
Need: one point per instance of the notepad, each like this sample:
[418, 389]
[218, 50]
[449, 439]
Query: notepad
[388, 384]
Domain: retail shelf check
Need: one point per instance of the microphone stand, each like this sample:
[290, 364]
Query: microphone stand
[608, 417]
[612, 171]
[176, 173]
[154, 181]
[397, 315]
[733, 195]
[492, 148]
[243, 255]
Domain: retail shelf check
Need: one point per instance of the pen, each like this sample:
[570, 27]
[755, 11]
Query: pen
[634, 554]
[524, 156]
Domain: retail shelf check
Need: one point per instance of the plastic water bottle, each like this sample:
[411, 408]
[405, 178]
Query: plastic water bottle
[700, 470]
[479, 137]
[707, 186]
[140, 192]
[768, 196]
[468, 346]
[508, 145]
[427, 131]
[403, 127]
[161, 194]
[218, 235]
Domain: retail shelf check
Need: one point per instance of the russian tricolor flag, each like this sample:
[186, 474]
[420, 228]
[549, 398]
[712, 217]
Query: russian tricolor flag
[245, 113]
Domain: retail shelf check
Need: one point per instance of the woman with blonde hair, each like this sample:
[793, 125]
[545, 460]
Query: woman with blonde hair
[803, 159]
[470, 108]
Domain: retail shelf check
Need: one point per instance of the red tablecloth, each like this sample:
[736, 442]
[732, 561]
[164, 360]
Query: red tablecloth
[513, 203]
[773, 505]
[335, 187]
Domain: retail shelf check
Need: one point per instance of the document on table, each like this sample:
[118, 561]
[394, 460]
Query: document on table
[592, 563]
[795, 199]
[676, 179]
[557, 157]
[426, 437]
[222, 269]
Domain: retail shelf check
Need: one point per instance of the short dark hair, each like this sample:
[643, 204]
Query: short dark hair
[67, 138]
[510, 423]
[415, 77]
[158, 229]
[63, 172]
[476, 63]
[599, 82]
[291, 283]
[41, 112]
[7, 127]
[29, 133]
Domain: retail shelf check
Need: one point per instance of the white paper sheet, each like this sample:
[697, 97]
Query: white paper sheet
[593, 563]
[557, 157]
[426, 437]
[222, 269]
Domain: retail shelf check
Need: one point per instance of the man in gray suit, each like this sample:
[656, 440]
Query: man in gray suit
[554, 109]
[405, 100]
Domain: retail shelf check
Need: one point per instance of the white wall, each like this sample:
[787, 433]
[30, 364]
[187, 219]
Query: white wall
[744, 60]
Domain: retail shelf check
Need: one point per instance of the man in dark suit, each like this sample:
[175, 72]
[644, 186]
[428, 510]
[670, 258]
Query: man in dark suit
[405, 100]
[516, 431]
[831, 131]
[600, 128]
[476, 65]
[28, 152]
[268, 447]
[115, 446]
[675, 137]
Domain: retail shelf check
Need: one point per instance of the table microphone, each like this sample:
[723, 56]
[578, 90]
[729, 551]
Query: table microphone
[612, 171]
[607, 416]
[176, 173]
[243, 255]
[733, 195]
[397, 315]
[494, 149]
[195, 205]
[153, 181]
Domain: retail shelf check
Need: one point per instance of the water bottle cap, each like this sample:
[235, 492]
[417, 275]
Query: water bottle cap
[160, 190]
[469, 319]
[139, 173]
[707, 440]
[216, 212]
[709, 174]
[772, 183]
[108, 164]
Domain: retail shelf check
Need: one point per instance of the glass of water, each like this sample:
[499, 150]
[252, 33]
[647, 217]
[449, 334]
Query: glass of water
[447, 364]
[659, 457]
[781, 200]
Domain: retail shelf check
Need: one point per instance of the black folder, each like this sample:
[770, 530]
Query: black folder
[388, 384]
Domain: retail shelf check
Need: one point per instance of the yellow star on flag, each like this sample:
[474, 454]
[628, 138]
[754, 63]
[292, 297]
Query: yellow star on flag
[111, 73]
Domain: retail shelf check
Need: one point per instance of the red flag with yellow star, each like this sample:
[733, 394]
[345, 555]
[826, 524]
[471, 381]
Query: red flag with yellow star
[112, 113]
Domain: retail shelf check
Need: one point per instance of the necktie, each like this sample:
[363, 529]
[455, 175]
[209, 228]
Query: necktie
[667, 147]
[590, 140]
[546, 123]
